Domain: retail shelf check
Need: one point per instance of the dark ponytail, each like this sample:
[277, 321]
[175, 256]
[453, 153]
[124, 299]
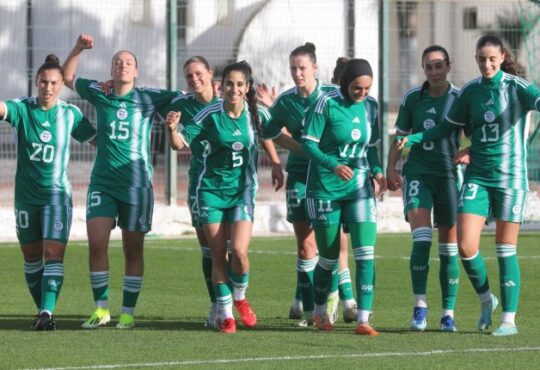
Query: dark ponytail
[251, 97]
[338, 70]
[431, 49]
[508, 65]
[51, 62]
[307, 49]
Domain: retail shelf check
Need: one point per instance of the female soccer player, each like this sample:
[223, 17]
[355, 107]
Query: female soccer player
[228, 131]
[43, 205]
[120, 187]
[289, 112]
[339, 137]
[492, 109]
[429, 183]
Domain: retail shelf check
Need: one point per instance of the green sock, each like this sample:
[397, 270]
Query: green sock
[305, 269]
[131, 289]
[477, 272]
[100, 287]
[419, 263]
[322, 279]
[345, 285]
[51, 284]
[510, 279]
[449, 274]
[207, 272]
[224, 300]
[33, 272]
[240, 283]
[364, 237]
[328, 242]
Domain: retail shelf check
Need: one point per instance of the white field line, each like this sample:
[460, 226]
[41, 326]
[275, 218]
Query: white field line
[297, 358]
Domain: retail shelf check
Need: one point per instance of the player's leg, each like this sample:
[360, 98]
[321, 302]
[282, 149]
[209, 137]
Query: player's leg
[346, 293]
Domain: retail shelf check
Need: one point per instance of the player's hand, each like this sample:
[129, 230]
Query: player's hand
[266, 95]
[462, 157]
[400, 142]
[106, 87]
[344, 172]
[277, 176]
[381, 181]
[393, 180]
[172, 121]
[85, 41]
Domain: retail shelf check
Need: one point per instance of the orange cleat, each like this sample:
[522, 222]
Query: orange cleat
[323, 322]
[248, 317]
[227, 326]
[366, 329]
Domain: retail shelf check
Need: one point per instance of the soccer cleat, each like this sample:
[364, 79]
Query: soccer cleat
[323, 322]
[306, 321]
[419, 322]
[36, 318]
[366, 329]
[505, 329]
[125, 321]
[100, 317]
[332, 307]
[45, 322]
[349, 313]
[247, 316]
[226, 326]
[212, 315]
[486, 309]
[447, 324]
[297, 310]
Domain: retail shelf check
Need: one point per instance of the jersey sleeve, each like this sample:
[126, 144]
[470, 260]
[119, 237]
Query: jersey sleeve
[175, 105]
[316, 120]
[529, 96]
[192, 130]
[87, 89]
[457, 115]
[373, 115]
[82, 131]
[13, 113]
[272, 128]
[404, 118]
[264, 116]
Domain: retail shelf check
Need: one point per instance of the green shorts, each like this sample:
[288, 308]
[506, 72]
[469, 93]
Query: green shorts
[211, 215]
[193, 204]
[35, 223]
[432, 192]
[331, 212]
[503, 204]
[131, 208]
[296, 197]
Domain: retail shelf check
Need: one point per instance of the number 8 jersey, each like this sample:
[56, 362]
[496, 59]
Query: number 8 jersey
[493, 113]
[43, 149]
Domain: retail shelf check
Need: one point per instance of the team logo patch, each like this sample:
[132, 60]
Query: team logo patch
[355, 134]
[45, 136]
[58, 225]
[121, 113]
[429, 123]
[142, 219]
[489, 116]
[237, 146]
[248, 210]
[516, 210]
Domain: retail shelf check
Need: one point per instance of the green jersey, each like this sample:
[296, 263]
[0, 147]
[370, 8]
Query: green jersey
[124, 124]
[493, 113]
[229, 167]
[43, 149]
[420, 111]
[339, 132]
[289, 111]
[189, 106]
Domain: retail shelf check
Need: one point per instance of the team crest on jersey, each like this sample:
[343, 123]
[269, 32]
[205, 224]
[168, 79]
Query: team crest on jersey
[489, 116]
[45, 136]
[58, 225]
[355, 134]
[142, 219]
[237, 146]
[121, 113]
[429, 123]
[516, 210]
[248, 210]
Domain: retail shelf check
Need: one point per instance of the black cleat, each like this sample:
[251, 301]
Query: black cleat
[45, 322]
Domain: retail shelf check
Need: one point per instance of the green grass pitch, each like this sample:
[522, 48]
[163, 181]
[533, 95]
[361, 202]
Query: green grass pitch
[169, 330]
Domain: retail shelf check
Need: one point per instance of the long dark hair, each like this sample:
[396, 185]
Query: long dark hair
[251, 97]
[307, 49]
[431, 49]
[509, 64]
[338, 69]
[51, 62]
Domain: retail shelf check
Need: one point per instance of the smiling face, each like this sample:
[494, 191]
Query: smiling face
[489, 59]
[359, 88]
[49, 84]
[436, 68]
[124, 67]
[235, 87]
[198, 77]
[302, 70]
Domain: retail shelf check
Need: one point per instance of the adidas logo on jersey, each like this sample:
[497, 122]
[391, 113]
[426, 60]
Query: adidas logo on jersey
[432, 110]
[237, 133]
[490, 102]
[46, 124]
[122, 105]
[322, 217]
[356, 120]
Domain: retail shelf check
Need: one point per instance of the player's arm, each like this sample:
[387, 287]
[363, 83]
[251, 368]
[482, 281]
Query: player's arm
[84, 41]
[393, 178]
[3, 110]
[277, 171]
[171, 122]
